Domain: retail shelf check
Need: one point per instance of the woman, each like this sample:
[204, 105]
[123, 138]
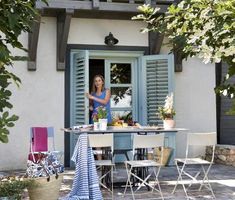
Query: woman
[100, 96]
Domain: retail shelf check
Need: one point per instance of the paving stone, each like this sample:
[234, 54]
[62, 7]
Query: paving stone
[222, 180]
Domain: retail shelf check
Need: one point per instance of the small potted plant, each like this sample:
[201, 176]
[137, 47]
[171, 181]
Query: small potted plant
[167, 112]
[102, 116]
[12, 188]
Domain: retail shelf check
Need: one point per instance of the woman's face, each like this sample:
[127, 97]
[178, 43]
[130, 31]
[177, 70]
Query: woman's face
[98, 82]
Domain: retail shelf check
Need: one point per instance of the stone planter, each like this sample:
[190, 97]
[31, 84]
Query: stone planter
[168, 124]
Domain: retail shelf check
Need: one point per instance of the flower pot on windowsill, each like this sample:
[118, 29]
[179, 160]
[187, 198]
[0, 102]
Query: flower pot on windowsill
[168, 124]
[103, 124]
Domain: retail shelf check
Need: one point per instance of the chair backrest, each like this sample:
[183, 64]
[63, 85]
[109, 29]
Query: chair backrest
[39, 138]
[148, 141]
[101, 140]
[201, 139]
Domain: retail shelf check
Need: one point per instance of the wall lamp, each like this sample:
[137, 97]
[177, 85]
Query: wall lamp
[110, 40]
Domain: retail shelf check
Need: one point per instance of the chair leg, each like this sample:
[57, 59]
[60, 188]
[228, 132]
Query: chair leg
[157, 181]
[180, 172]
[112, 180]
[128, 170]
[206, 179]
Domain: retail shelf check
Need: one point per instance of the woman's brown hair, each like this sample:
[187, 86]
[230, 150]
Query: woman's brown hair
[93, 89]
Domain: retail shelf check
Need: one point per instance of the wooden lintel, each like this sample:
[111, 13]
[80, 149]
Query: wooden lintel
[155, 42]
[103, 6]
[95, 4]
[63, 26]
[33, 45]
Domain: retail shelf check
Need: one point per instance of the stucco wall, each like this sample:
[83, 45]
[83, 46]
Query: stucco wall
[40, 99]
[38, 102]
[93, 31]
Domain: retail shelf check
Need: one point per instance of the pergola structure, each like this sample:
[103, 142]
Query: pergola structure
[65, 10]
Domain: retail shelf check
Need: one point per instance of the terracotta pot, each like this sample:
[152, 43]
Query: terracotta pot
[168, 124]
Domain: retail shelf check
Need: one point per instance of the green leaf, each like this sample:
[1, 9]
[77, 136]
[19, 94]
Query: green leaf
[13, 118]
[10, 124]
[5, 115]
[3, 138]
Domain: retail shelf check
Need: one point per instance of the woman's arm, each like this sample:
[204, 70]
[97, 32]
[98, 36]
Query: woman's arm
[102, 101]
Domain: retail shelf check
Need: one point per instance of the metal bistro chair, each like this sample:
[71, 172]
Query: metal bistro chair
[196, 139]
[145, 142]
[104, 141]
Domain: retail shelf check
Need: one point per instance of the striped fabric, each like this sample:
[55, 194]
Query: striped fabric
[86, 182]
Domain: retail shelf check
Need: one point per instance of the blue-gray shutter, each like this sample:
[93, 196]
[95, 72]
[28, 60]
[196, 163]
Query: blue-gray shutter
[157, 82]
[79, 86]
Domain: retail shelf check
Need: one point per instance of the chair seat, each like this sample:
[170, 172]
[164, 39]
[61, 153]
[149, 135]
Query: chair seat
[196, 161]
[143, 163]
[104, 163]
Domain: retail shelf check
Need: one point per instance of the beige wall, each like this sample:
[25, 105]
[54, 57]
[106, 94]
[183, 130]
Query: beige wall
[40, 99]
[93, 31]
[38, 102]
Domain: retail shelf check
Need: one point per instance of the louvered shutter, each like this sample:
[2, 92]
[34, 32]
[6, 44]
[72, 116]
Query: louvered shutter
[79, 86]
[157, 82]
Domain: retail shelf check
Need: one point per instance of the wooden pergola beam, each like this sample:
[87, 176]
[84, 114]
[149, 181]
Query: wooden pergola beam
[155, 42]
[33, 45]
[178, 60]
[63, 27]
[100, 5]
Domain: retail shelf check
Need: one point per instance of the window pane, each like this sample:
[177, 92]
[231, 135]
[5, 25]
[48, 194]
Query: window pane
[122, 115]
[121, 97]
[120, 73]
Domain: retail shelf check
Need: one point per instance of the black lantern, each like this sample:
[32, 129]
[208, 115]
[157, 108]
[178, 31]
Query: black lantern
[110, 40]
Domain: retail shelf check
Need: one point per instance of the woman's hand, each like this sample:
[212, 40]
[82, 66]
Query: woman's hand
[89, 96]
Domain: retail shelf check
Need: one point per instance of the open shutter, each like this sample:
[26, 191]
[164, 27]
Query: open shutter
[156, 82]
[80, 75]
[79, 86]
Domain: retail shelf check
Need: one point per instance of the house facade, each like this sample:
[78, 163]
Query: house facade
[67, 49]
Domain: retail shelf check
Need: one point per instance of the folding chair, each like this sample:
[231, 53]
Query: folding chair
[104, 141]
[145, 142]
[41, 143]
[196, 139]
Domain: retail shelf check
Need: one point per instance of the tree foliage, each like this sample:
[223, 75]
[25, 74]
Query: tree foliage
[16, 17]
[203, 28]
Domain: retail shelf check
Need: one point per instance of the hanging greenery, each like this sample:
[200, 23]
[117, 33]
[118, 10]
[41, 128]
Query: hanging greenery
[202, 28]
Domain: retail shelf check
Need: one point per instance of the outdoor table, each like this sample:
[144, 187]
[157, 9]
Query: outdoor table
[170, 134]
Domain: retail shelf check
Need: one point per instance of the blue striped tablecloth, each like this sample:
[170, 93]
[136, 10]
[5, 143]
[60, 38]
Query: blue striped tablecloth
[86, 181]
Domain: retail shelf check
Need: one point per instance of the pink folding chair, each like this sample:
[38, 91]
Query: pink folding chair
[39, 143]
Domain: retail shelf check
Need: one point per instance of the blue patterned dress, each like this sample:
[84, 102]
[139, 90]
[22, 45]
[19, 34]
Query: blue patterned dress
[97, 104]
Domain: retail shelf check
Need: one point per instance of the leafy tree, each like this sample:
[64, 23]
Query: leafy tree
[203, 28]
[16, 16]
